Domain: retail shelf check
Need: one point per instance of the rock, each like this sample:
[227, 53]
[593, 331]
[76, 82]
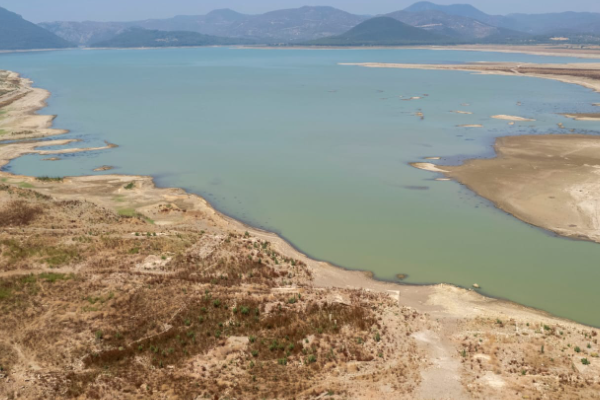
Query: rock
[476, 286]
[352, 368]
[402, 276]
[104, 168]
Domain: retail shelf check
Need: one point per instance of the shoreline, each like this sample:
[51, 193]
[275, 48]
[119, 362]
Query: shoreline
[586, 75]
[424, 326]
[544, 161]
[536, 183]
[330, 271]
[539, 50]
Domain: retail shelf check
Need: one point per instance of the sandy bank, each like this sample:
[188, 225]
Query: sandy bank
[586, 75]
[551, 181]
[512, 118]
[584, 116]
[589, 52]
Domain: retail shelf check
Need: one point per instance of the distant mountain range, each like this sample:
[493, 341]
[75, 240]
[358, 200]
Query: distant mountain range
[282, 26]
[580, 22]
[382, 31]
[18, 34]
[458, 23]
[138, 37]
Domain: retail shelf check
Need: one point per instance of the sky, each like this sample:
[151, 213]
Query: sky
[127, 10]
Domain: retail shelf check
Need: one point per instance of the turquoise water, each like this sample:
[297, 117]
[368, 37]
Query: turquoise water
[292, 142]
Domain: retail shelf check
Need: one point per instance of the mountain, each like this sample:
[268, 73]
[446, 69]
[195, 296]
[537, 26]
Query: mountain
[138, 37]
[305, 23]
[382, 31]
[84, 33]
[455, 26]
[217, 22]
[462, 10]
[19, 34]
[581, 22]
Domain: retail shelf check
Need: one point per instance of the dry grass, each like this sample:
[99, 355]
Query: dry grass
[136, 308]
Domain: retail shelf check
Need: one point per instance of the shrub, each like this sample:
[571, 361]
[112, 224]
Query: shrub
[18, 213]
[282, 361]
[311, 359]
[53, 277]
[585, 361]
[577, 349]
[49, 179]
[130, 186]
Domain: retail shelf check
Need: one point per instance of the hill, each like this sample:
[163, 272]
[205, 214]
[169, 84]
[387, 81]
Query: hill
[455, 26]
[383, 31]
[463, 10]
[217, 23]
[84, 33]
[19, 34]
[580, 22]
[137, 37]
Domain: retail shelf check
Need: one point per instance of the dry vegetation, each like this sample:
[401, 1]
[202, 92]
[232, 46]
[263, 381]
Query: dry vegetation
[97, 305]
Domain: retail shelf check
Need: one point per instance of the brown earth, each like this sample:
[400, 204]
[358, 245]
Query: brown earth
[551, 181]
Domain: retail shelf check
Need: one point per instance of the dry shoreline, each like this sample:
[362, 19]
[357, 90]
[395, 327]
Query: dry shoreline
[540, 50]
[35, 100]
[586, 75]
[550, 181]
[450, 312]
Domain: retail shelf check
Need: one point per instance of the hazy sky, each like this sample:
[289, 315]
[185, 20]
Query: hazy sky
[124, 10]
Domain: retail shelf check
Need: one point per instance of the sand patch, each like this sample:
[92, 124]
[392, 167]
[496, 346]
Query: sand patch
[584, 116]
[427, 167]
[512, 118]
[461, 112]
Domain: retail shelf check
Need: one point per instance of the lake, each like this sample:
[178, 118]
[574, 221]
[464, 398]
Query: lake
[292, 142]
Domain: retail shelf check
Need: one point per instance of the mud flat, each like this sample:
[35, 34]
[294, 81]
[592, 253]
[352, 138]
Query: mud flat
[586, 75]
[589, 52]
[172, 298]
[461, 112]
[512, 118]
[584, 116]
[551, 181]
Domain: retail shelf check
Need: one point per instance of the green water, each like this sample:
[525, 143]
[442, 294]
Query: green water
[292, 142]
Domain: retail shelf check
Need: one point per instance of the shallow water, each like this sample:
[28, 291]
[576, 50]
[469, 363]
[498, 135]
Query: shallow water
[292, 142]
